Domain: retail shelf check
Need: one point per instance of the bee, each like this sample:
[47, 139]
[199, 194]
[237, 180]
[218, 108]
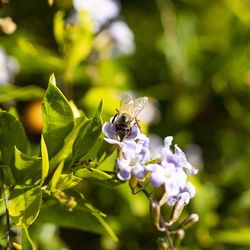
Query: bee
[126, 116]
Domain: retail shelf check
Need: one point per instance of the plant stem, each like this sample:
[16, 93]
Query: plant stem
[8, 233]
[170, 243]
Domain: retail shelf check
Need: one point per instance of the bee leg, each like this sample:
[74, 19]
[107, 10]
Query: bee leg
[137, 123]
[114, 117]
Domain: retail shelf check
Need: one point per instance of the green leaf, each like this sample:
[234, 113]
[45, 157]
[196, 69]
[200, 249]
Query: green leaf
[12, 92]
[50, 2]
[97, 176]
[67, 181]
[56, 177]
[77, 219]
[84, 217]
[29, 56]
[83, 204]
[66, 150]
[88, 135]
[59, 27]
[45, 161]
[17, 246]
[107, 227]
[74, 38]
[77, 113]
[24, 205]
[27, 241]
[236, 236]
[11, 134]
[26, 169]
[58, 118]
[108, 164]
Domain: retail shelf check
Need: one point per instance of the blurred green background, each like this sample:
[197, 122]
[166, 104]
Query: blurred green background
[191, 58]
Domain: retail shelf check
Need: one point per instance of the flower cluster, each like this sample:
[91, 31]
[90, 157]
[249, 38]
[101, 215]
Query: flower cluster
[101, 11]
[9, 67]
[108, 25]
[170, 170]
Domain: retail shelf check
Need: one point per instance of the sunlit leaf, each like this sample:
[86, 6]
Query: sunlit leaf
[67, 181]
[77, 113]
[26, 168]
[45, 161]
[58, 118]
[56, 176]
[24, 205]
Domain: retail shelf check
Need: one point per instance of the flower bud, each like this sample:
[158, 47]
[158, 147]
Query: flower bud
[133, 182]
[180, 235]
[162, 243]
[156, 213]
[189, 221]
[176, 212]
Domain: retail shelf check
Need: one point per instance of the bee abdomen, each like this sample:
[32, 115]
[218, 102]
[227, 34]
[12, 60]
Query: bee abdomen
[122, 131]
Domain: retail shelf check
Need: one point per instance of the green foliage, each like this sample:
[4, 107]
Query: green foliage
[10, 92]
[88, 135]
[24, 205]
[196, 64]
[26, 169]
[96, 175]
[58, 117]
[45, 161]
[70, 39]
[11, 134]
[66, 139]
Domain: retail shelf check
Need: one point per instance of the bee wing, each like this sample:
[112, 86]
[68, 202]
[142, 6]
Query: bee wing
[132, 106]
[126, 104]
[139, 103]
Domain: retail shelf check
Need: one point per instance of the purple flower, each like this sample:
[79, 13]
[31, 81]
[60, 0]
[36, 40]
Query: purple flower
[110, 132]
[178, 158]
[185, 194]
[132, 161]
[173, 179]
[183, 162]
[101, 11]
[170, 173]
[123, 38]
[9, 67]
